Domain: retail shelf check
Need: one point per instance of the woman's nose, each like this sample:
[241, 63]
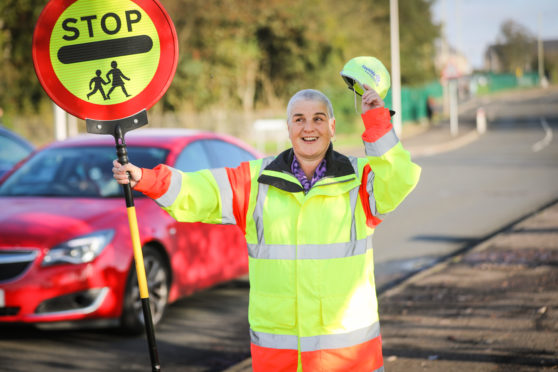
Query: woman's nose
[308, 126]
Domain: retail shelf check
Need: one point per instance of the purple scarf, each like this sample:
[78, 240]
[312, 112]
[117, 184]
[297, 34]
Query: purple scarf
[299, 173]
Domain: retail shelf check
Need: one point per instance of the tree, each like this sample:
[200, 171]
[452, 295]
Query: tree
[417, 37]
[19, 87]
[516, 45]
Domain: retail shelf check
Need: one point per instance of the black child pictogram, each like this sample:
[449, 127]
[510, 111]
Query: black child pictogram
[99, 82]
[117, 77]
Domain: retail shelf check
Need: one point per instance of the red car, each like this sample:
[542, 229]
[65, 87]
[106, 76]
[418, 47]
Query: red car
[65, 246]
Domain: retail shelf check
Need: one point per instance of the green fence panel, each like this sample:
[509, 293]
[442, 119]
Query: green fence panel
[498, 82]
[414, 100]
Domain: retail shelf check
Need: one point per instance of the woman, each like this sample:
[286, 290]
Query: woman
[308, 215]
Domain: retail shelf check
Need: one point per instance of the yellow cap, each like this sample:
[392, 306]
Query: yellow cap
[366, 70]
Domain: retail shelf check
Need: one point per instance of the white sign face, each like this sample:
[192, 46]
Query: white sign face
[2, 298]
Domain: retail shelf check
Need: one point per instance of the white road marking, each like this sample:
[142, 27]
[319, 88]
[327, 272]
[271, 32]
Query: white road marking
[538, 146]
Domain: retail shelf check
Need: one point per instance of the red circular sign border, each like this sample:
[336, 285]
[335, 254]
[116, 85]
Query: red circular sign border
[87, 110]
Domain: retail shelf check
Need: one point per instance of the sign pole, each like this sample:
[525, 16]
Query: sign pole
[454, 118]
[395, 66]
[118, 128]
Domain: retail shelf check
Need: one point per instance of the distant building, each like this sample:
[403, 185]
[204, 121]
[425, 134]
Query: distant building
[452, 64]
[449, 61]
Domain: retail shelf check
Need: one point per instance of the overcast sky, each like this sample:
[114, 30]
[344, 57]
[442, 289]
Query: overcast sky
[472, 25]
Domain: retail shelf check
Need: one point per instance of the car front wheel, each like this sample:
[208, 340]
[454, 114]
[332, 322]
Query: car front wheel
[157, 275]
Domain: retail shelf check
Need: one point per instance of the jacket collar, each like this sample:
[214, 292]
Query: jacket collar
[337, 165]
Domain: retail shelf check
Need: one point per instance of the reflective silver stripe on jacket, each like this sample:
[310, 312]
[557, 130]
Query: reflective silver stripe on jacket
[353, 197]
[283, 342]
[226, 195]
[340, 340]
[309, 251]
[382, 144]
[174, 189]
[258, 211]
[260, 199]
[370, 190]
[313, 343]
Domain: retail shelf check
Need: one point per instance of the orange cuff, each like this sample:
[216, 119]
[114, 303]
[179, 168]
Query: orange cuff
[377, 123]
[155, 182]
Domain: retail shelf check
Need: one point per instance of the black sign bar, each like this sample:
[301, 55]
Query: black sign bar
[124, 46]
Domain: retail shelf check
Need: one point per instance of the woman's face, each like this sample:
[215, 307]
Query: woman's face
[310, 129]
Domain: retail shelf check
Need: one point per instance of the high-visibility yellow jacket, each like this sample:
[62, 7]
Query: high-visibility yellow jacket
[313, 303]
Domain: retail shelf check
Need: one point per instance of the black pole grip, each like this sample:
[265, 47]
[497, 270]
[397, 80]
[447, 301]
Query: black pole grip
[122, 153]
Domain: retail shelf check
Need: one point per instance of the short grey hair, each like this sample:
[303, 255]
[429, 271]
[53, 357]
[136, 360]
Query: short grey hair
[309, 95]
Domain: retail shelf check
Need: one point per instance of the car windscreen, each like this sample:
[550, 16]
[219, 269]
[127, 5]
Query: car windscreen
[75, 172]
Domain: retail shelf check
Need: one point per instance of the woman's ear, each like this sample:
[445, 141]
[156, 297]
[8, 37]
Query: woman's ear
[332, 127]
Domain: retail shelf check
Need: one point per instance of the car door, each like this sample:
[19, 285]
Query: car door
[226, 154]
[211, 253]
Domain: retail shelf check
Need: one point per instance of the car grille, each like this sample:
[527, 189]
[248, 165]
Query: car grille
[9, 311]
[14, 263]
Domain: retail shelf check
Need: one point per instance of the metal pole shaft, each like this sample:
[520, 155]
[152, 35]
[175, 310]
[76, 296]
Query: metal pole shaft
[395, 65]
[454, 116]
[540, 52]
[122, 153]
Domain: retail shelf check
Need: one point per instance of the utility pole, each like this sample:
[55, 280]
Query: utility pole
[60, 123]
[395, 65]
[542, 77]
[445, 56]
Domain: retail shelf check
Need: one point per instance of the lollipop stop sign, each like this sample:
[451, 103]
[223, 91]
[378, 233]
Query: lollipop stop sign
[105, 59]
[108, 61]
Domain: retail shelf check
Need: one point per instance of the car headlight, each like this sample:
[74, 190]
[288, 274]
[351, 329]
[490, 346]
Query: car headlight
[79, 250]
